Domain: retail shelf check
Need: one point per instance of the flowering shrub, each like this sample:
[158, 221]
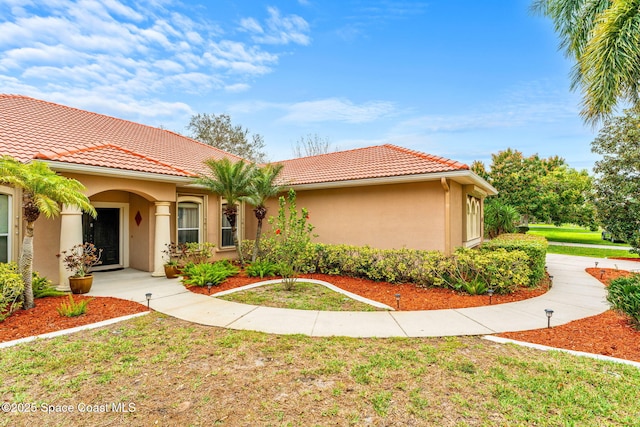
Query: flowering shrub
[291, 240]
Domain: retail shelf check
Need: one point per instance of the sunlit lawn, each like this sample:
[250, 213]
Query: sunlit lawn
[570, 234]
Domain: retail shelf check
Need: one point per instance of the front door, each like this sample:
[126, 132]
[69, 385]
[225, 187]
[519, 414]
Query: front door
[104, 232]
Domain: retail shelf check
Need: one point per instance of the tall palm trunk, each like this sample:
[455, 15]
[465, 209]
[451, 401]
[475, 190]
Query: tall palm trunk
[261, 213]
[26, 266]
[232, 216]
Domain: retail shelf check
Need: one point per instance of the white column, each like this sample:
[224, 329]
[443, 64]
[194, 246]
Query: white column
[162, 236]
[70, 235]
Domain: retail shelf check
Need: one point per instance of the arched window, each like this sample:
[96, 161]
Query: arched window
[190, 219]
[473, 218]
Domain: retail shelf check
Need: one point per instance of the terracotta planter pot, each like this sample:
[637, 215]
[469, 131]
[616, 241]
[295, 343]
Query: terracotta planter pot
[80, 285]
[170, 271]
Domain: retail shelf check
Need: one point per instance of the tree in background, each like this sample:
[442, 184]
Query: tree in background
[219, 132]
[602, 37]
[43, 191]
[617, 185]
[232, 182]
[263, 186]
[311, 145]
[545, 189]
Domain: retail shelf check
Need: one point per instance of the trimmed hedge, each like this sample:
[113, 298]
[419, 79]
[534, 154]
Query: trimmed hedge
[500, 269]
[11, 288]
[534, 246]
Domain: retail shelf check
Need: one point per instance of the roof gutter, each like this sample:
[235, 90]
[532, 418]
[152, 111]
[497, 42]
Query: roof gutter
[462, 176]
[119, 173]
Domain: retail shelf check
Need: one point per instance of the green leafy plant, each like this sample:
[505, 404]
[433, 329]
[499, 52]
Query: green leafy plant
[11, 288]
[73, 308]
[292, 239]
[43, 288]
[499, 218]
[474, 287]
[624, 296]
[261, 269]
[81, 258]
[204, 273]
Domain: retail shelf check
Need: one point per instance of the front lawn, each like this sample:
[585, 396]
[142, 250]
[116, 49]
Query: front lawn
[570, 234]
[590, 252]
[165, 371]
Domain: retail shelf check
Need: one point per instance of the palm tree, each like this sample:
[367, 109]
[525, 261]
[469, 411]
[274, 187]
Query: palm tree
[232, 181]
[263, 187]
[602, 36]
[43, 191]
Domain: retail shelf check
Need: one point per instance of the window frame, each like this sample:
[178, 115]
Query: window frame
[200, 202]
[8, 234]
[239, 224]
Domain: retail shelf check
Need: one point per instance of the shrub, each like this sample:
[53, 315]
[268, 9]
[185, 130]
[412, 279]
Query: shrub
[499, 218]
[11, 288]
[203, 273]
[261, 269]
[43, 288]
[534, 246]
[73, 308]
[624, 296]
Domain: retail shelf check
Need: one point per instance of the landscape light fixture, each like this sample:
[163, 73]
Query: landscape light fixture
[209, 285]
[549, 313]
[148, 295]
[490, 292]
[398, 301]
[596, 264]
[601, 273]
[550, 281]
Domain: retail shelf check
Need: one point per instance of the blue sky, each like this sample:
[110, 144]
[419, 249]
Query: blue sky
[459, 79]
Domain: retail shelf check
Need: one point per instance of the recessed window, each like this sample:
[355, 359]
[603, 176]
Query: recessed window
[5, 216]
[190, 221]
[226, 234]
[473, 218]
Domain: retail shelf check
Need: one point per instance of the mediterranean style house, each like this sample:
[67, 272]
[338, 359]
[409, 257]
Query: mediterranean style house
[139, 179]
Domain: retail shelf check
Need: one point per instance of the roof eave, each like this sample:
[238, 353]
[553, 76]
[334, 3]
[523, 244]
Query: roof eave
[120, 173]
[461, 176]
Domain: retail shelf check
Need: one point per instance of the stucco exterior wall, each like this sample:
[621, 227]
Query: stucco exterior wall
[46, 245]
[458, 219]
[383, 216]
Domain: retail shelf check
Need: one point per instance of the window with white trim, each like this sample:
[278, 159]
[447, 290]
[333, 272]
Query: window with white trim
[190, 221]
[5, 218]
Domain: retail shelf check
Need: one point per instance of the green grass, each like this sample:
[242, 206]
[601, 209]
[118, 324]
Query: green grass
[590, 252]
[304, 296]
[570, 234]
[177, 373]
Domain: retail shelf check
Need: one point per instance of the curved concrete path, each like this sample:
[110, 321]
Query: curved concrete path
[574, 295]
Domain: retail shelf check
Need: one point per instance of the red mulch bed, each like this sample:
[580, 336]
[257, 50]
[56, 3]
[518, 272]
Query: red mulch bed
[609, 333]
[411, 297]
[44, 317]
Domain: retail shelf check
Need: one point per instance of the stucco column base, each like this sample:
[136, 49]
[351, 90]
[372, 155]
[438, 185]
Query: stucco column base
[70, 235]
[162, 236]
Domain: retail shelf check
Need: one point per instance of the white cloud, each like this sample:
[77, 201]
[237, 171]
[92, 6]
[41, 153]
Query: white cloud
[337, 110]
[139, 50]
[279, 29]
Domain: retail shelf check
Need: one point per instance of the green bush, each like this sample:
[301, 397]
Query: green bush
[203, 273]
[261, 269]
[11, 288]
[534, 246]
[499, 218]
[624, 296]
[73, 308]
[42, 287]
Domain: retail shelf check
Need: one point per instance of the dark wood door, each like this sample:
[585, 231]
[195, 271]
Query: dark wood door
[104, 232]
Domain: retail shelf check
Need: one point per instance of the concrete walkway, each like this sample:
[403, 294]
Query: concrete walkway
[575, 295]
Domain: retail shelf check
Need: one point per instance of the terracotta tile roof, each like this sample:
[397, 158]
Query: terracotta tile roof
[31, 128]
[363, 163]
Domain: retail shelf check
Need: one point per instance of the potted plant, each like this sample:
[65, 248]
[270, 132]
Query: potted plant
[80, 259]
[171, 270]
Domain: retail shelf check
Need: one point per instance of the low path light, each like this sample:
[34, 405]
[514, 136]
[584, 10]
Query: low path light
[398, 301]
[490, 292]
[209, 285]
[549, 313]
[148, 295]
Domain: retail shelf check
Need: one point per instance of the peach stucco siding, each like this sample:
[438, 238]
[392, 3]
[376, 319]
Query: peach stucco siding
[382, 216]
